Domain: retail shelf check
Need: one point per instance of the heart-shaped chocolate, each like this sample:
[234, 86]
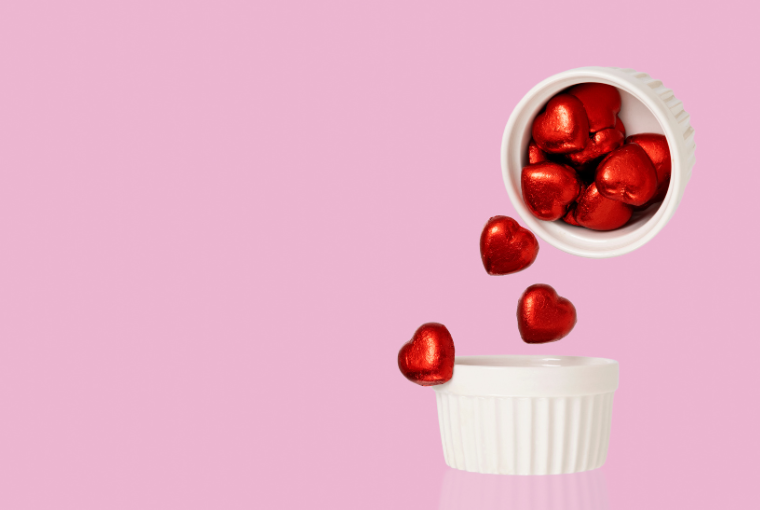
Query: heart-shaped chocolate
[543, 316]
[506, 247]
[569, 218]
[549, 188]
[563, 127]
[428, 358]
[596, 212]
[627, 175]
[603, 142]
[535, 154]
[656, 147]
[601, 102]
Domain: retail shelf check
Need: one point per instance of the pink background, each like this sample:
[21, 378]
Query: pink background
[220, 221]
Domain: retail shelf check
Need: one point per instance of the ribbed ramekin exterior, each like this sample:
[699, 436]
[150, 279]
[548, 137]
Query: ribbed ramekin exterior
[525, 435]
[679, 115]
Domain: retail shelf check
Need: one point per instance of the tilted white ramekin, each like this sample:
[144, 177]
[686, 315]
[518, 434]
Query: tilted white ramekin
[527, 415]
[647, 107]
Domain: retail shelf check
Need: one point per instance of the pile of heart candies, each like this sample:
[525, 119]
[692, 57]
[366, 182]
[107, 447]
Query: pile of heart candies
[582, 170]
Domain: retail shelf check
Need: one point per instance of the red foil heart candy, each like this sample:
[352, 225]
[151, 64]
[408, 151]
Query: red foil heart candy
[601, 102]
[569, 218]
[428, 358]
[656, 147]
[549, 188]
[535, 154]
[627, 175]
[563, 127]
[603, 142]
[596, 212]
[506, 247]
[543, 316]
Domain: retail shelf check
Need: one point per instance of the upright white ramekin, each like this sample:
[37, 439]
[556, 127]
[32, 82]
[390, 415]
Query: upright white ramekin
[527, 415]
[647, 106]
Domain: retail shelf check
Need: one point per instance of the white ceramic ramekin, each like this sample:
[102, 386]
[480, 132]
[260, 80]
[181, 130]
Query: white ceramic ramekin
[527, 415]
[647, 107]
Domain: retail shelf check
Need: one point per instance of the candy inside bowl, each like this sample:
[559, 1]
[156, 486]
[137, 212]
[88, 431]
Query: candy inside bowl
[647, 107]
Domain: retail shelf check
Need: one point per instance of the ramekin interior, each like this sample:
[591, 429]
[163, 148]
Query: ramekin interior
[530, 361]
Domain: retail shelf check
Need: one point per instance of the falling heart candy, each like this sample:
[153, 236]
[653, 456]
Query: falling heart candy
[428, 358]
[603, 142]
[596, 212]
[563, 127]
[620, 126]
[601, 102]
[535, 154]
[543, 316]
[506, 247]
[549, 188]
[627, 175]
[656, 147]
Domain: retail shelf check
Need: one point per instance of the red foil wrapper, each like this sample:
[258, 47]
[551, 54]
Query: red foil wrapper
[627, 175]
[535, 154]
[506, 247]
[656, 147]
[603, 142]
[601, 102]
[596, 212]
[543, 316]
[569, 218]
[549, 188]
[563, 127]
[428, 358]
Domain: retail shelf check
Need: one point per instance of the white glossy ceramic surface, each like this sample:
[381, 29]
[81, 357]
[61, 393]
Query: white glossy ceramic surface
[647, 106]
[527, 415]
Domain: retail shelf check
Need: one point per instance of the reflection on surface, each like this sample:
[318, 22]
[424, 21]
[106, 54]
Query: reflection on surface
[473, 491]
